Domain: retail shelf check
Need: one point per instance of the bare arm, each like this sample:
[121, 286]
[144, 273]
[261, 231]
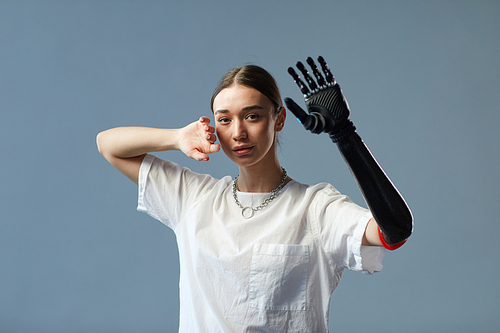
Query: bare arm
[371, 236]
[125, 147]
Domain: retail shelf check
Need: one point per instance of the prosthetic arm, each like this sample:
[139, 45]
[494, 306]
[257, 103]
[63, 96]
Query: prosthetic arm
[329, 113]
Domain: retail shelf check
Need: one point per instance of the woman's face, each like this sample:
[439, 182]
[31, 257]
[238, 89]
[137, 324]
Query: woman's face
[246, 125]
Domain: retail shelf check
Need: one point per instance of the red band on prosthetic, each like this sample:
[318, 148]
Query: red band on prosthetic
[387, 245]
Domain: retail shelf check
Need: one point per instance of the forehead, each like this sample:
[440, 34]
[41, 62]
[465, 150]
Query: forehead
[237, 97]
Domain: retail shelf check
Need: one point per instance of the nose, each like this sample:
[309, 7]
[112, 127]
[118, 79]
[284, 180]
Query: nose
[239, 131]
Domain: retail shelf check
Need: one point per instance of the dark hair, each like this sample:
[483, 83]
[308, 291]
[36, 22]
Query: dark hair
[254, 77]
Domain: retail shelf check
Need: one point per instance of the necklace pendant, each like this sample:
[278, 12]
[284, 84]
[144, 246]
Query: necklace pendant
[247, 212]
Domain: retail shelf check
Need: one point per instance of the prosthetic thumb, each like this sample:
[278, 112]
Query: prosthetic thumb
[314, 122]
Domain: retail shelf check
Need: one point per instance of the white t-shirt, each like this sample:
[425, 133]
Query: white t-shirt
[274, 272]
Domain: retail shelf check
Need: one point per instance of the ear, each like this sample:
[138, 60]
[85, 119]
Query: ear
[280, 120]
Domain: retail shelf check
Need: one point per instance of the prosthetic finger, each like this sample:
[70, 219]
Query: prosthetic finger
[317, 74]
[307, 77]
[298, 81]
[328, 74]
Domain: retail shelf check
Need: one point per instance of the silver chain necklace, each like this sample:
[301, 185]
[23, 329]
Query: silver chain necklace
[249, 211]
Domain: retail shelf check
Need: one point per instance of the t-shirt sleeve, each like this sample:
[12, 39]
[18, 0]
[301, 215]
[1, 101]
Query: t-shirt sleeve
[167, 190]
[341, 226]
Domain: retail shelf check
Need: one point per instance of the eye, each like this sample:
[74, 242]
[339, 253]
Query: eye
[223, 120]
[253, 116]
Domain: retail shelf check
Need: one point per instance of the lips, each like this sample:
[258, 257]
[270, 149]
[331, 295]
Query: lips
[242, 150]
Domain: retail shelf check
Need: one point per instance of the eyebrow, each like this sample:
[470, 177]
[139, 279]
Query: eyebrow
[246, 108]
[253, 107]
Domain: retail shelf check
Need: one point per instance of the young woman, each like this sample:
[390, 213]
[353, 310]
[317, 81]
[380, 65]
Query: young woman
[260, 252]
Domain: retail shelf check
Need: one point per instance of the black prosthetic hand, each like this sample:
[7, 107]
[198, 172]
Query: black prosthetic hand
[329, 113]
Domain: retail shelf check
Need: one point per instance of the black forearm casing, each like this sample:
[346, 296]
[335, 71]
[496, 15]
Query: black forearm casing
[388, 207]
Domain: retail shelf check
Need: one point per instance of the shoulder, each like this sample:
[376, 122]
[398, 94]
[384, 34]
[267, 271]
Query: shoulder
[321, 199]
[155, 165]
[320, 189]
[314, 198]
[158, 170]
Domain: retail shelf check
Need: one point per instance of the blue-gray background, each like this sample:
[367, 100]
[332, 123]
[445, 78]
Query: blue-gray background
[422, 80]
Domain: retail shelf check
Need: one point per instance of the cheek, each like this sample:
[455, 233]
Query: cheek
[223, 140]
[221, 135]
[218, 132]
[271, 132]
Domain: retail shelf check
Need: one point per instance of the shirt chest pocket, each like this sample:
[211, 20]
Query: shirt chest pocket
[278, 276]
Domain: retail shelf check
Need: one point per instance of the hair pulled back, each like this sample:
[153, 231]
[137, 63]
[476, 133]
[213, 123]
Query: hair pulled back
[254, 77]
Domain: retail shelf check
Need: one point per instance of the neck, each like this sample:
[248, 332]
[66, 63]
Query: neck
[260, 179]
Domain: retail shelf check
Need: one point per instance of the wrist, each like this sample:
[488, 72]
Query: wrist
[342, 134]
[171, 139]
